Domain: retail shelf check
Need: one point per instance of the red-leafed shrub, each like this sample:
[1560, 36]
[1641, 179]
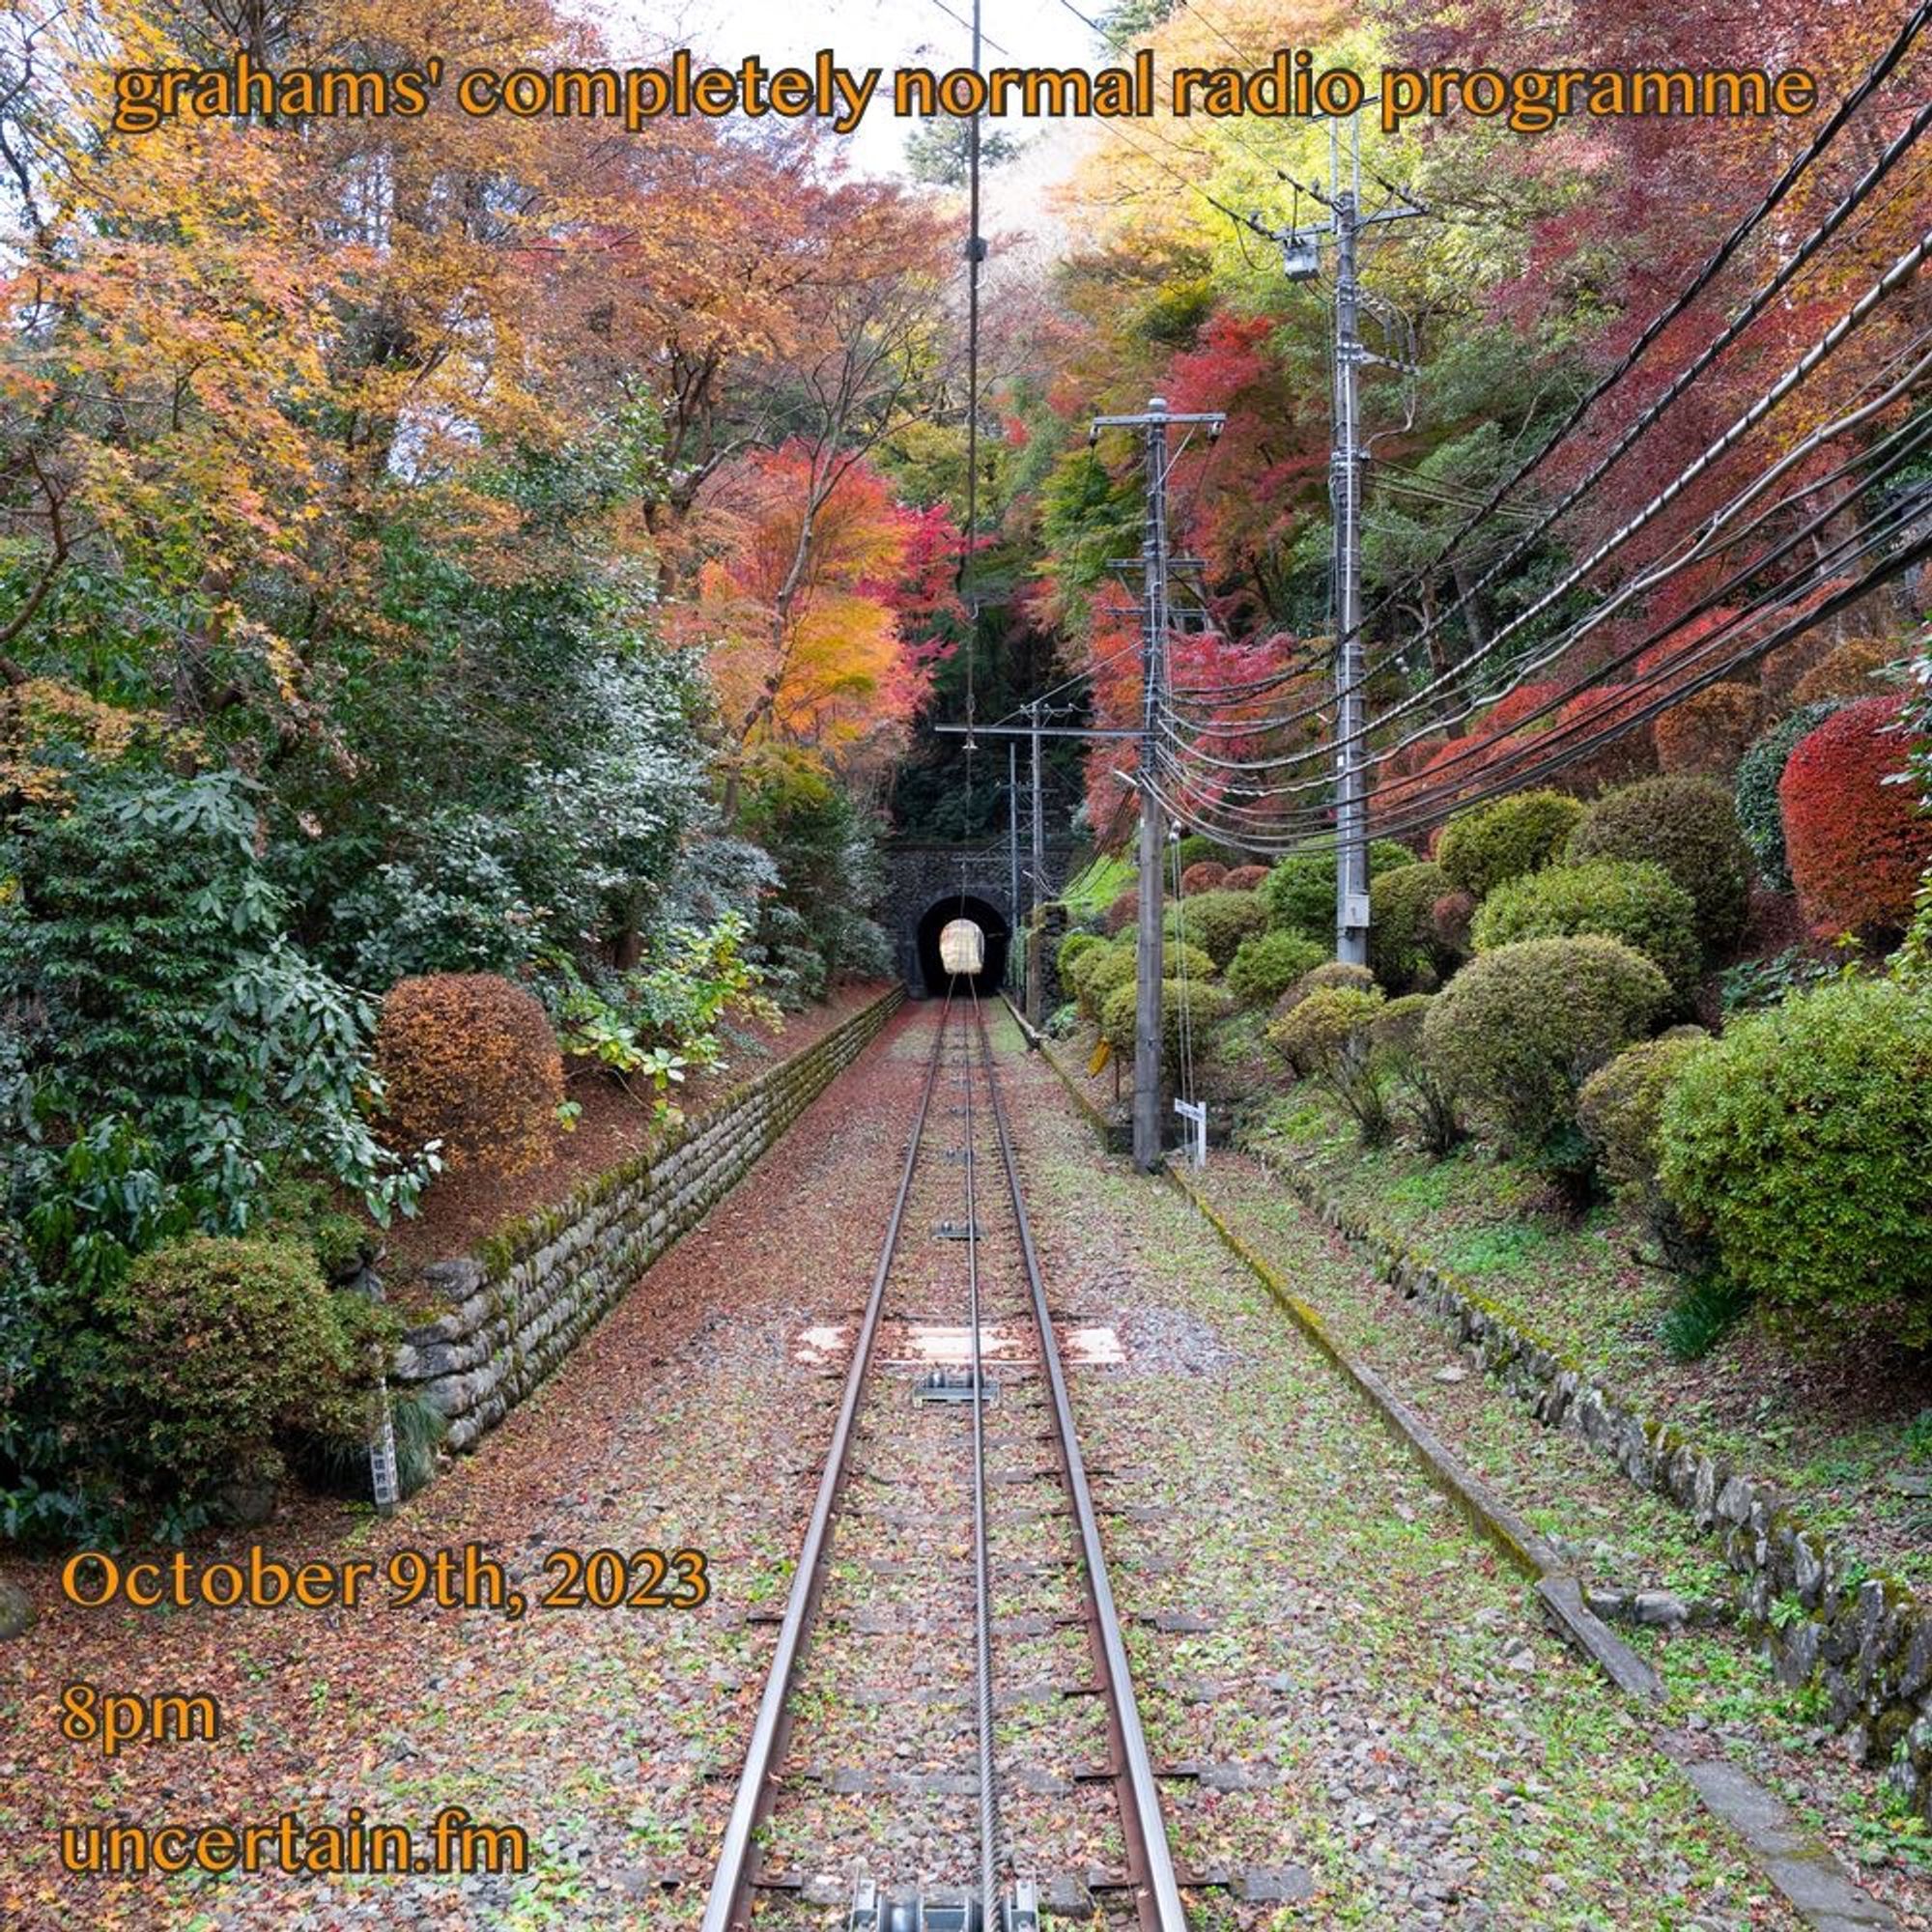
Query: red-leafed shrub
[1507, 713]
[1242, 878]
[1123, 911]
[469, 1059]
[1202, 877]
[1855, 846]
[1706, 734]
[1617, 761]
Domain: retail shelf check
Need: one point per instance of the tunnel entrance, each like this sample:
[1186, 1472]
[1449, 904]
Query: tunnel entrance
[954, 911]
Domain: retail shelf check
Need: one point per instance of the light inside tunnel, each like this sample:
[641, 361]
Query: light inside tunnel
[946, 938]
[962, 946]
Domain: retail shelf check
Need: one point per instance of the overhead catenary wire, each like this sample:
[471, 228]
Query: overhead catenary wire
[1886, 285]
[1708, 271]
[1531, 762]
[1906, 445]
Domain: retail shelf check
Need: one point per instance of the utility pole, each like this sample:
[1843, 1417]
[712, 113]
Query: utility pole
[1035, 938]
[1013, 831]
[1345, 486]
[1301, 261]
[1154, 425]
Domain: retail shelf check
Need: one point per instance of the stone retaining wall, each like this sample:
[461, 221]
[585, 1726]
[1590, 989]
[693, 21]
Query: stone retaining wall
[531, 1292]
[1865, 1638]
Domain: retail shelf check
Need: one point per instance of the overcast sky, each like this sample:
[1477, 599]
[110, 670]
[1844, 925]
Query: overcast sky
[863, 33]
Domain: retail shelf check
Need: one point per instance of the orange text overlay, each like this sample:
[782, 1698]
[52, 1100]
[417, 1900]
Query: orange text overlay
[464, 1577]
[454, 1842]
[1289, 86]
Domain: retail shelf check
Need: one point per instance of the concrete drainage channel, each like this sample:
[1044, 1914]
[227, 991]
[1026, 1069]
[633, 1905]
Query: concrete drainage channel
[1802, 1865]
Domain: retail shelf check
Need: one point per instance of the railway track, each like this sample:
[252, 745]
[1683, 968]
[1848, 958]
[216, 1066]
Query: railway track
[950, 1613]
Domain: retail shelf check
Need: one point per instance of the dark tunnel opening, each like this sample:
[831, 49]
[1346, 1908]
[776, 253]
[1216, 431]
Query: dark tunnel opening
[993, 924]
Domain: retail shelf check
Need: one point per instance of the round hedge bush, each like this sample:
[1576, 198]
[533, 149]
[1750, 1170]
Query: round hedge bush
[1620, 1107]
[1518, 1031]
[469, 1059]
[1264, 967]
[1096, 973]
[1202, 877]
[210, 1350]
[1641, 904]
[1195, 849]
[1071, 949]
[1403, 944]
[1313, 1032]
[1754, 793]
[1399, 1022]
[1300, 890]
[1205, 1002]
[1849, 671]
[1191, 962]
[1218, 921]
[1857, 845]
[1330, 973]
[1245, 878]
[1123, 911]
[1492, 843]
[1799, 1140]
[1704, 735]
[1690, 828]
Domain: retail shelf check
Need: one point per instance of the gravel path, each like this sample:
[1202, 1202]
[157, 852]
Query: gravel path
[1370, 1710]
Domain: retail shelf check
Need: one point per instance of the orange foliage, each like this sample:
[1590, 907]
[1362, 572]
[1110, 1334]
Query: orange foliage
[469, 1058]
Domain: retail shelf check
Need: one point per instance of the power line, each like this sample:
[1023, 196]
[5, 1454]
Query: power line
[1713, 266]
[1884, 286]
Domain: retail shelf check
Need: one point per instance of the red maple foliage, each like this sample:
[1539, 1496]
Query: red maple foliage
[1857, 846]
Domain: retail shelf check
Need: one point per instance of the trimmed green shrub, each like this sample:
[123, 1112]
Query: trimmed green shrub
[1312, 1032]
[1071, 949]
[1690, 828]
[1300, 890]
[1330, 973]
[1265, 966]
[1799, 1141]
[1490, 844]
[1619, 1108]
[1754, 795]
[1641, 904]
[1427, 1102]
[1218, 921]
[1518, 1031]
[1191, 962]
[1404, 945]
[1198, 851]
[1329, 1037]
[1206, 1004]
[209, 1352]
[1096, 973]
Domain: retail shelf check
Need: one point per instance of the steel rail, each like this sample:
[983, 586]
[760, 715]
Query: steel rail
[982, 1582]
[728, 1909]
[1149, 1861]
